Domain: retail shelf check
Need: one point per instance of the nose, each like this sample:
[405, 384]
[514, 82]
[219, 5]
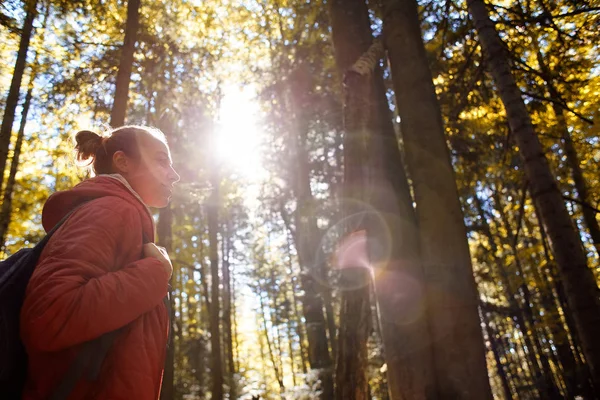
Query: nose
[173, 176]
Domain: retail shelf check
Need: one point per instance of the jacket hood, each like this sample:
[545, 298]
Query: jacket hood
[61, 203]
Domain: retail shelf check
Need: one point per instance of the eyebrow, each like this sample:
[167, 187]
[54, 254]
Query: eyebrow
[164, 154]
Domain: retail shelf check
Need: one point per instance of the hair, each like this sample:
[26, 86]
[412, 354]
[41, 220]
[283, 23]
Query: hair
[97, 151]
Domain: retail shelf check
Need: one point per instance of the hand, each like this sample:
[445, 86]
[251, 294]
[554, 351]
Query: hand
[160, 253]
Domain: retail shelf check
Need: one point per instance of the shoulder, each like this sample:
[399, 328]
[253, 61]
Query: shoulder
[107, 210]
[111, 204]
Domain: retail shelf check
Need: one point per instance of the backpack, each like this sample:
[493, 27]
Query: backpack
[15, 273]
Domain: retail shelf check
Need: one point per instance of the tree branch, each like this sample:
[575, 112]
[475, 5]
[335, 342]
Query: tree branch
[560, 103]
[582, 203]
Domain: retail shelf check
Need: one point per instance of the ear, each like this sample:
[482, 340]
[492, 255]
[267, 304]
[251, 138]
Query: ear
[121, 162]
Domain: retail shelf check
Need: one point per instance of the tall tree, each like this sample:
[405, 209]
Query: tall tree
[215, 309]
[306, 235]
[5, 210]
[164, 232]
[15, 85]
[119, 107]
[581, 186]
[349, 45]
[457, 343]
[227, 305]
[395, 253]
[579, 283]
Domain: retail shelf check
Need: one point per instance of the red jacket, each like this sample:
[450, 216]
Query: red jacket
[91, 280]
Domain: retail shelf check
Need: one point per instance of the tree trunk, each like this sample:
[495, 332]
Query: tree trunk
[576, 373]
[215, 330]
[589, 215]
[6, 210]
[276, 370]
[393, 248]
[580, 286]
[350, 43]
[165, 239]
[119, 107]
[535, 346]
[495, 350]
[307, 240]
[228, 335]
[457, 342]
[506, 283]
[295, 308]
[563, 356]
[399, 283]
[12, 99]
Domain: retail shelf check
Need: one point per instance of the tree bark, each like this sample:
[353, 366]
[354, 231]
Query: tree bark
[119, 107]
[6, 210]
[215, 330]
[12, 99]
[307, 239]
[457, 342]
[580, 286]
[349, 44]
[393, 248]
[165, 239]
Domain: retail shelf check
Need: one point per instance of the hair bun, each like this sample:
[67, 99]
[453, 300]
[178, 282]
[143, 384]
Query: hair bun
[88, 143]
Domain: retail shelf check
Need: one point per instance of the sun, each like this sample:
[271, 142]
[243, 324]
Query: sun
[239, 134]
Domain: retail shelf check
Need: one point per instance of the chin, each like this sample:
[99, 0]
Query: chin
[160, 203]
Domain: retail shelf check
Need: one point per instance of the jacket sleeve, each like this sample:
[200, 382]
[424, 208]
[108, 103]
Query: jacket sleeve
[79, 292]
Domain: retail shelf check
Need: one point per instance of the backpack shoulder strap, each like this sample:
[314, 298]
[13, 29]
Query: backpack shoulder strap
[42, 243]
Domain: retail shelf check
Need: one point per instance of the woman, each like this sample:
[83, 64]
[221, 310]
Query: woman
[97, 275]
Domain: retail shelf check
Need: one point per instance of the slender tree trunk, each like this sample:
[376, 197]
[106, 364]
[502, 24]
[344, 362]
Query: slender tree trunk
[290, 340]
[457, 342]
[274, 312]
[165, 239]
[263, 362]
[234, 326]
[563, 356]
[544, 375]
[6, 210]
[12, 99]
[589, 215]
[119, 107]
[307, 240]
[228, 334]
[203, 272]
[495, 350]
[577, 375]
[578, 280]
[295, 308]
[276, 370]
[215, 330]
[510, 294]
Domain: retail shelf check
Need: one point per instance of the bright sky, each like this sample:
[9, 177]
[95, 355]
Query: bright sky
[239, 135]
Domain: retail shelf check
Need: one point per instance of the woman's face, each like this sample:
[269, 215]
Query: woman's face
[152, 176]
